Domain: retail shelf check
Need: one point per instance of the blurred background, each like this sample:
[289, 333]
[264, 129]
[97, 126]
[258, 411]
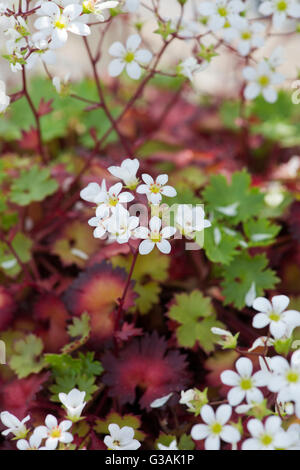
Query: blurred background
[221, 78]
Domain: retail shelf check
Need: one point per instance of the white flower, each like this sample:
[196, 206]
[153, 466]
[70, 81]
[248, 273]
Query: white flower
[221, 13]
[264, 436]
[154, 236]
[186, 397]
[130, 57]
[190, 219]
[100, 223]
[274, 194]
[261, 80]
[92, 190]
[248, 35]
[54, 432]
[159, 402]
[244, 383]
[261, 342]
[13, 424]
[127, 172]
[280, 9]
[121, 438]
[107, 199]
[285, 378]
[215, 428]
[73, 402]
[61, 86]
[190, 66]
[33, 443]
[155, 189]
[4, 99]
[98, 7]
[281, 321]
[43, 54]
[57, 23]
[121, 225]
[131, 6]
[172, 446]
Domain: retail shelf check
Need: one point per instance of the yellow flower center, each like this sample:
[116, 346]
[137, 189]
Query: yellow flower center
[117, 443]
[155, 237]
[292, 376]
[155, 188]
[274, 316]
[246, 35]
[266, 440]
[60, 23]
[129, 57]
[216, 428]
[222, 11]
[281, 5]
[264, 80]
[56, 433]
[246, 384]
[113, 201]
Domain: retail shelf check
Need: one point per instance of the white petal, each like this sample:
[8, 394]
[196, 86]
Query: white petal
[147, 179]
[169, 191]
[235, 396]
[72, 11]
[126, 197]
[212, 443]
[255, 427]
[143, 56]
[262, 305]
[208, 414]
[134, 70]
[164, 246]
[230, 434]
[251, 91]
[168, 232]
[162, 179]
[229, 377]
[79, 28]
[90, 192]
[249, 73]
[223, 414]
[260, 320]
[116, 67]
[244, 366]
[280, 303]
[141, 232]
[269, 94]
[50, 421]
[199, 432]
[146, 247]
[117, 50]
[133, 42]
[254, 396]
[266, 8]
[277, 329]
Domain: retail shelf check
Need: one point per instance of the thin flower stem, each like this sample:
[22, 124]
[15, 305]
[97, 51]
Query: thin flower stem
[36, 116]
[102, 103]
[123, 298]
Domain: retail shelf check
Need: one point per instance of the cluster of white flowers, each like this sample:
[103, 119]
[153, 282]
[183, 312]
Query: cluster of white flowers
[52, 433]
[279, 376]
[230, 22]
[114, 221]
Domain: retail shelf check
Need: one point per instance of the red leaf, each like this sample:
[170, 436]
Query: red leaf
[45, 107]
[29, 140]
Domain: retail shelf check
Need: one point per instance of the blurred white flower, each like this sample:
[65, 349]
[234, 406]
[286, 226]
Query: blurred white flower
[13, 424]
[280, 9]
[121, 438]
[4, 99]
[261, 80]
[129, 57]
